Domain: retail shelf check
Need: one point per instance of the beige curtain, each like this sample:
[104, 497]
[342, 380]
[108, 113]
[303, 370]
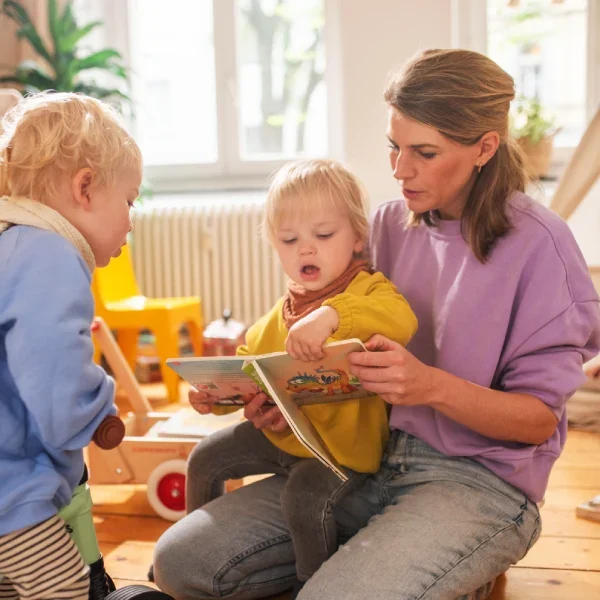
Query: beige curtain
[12, 50]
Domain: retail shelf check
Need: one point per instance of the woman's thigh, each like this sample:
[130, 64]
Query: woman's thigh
[435, 540]
[235, 546]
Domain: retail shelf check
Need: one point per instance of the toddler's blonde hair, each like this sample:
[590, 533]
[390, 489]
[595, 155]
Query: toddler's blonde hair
[303, 187]
[51, 135]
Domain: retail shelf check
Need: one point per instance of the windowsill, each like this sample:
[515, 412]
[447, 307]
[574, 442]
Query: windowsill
[202, 197]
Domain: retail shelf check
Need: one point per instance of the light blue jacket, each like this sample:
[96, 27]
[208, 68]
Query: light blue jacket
[52, 395]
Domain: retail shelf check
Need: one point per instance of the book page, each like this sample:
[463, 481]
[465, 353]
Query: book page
[328, 380]
[219, 376]
[299, 423]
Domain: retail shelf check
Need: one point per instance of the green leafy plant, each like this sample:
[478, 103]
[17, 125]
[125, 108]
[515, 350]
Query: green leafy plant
[529, 121]
[61, 66]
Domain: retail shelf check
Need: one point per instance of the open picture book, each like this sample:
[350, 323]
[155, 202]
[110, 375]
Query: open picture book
[290, 383]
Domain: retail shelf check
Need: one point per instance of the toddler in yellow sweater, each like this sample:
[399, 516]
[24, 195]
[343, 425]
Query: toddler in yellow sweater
[316, 220]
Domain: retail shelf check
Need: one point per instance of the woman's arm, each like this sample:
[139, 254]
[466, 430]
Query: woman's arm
[398, 377]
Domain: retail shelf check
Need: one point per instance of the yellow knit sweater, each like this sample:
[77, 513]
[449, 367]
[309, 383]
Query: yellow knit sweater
[355, 431]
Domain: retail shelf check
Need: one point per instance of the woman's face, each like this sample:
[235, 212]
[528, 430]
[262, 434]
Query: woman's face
[434, 172]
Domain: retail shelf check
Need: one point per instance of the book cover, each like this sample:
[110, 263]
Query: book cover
[220, 376]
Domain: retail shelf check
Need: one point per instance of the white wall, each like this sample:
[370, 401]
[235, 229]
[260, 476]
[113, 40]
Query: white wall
[376, 36]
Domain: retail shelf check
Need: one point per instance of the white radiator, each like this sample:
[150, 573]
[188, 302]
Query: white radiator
[215, 251]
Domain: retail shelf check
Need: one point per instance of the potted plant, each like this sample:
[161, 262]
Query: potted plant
[61, 66]
[534, 132]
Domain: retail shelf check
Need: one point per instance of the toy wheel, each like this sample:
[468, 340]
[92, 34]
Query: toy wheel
[138, 592]
[166, 489]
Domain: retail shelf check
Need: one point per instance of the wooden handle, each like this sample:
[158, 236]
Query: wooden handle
[110, 433]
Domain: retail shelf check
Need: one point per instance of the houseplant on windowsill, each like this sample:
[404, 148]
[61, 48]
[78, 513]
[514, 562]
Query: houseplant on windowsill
[60, 66]
[534, 132]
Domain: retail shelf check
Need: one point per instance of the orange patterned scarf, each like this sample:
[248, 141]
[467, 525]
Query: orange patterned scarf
[300, 302]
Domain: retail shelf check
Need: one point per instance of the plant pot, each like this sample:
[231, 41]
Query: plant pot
[537, 156]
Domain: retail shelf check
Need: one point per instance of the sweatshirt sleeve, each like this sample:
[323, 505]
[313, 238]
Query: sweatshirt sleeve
[373, 305]
[49, 347]
[555, 325]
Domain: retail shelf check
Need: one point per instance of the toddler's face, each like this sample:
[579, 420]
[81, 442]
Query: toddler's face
[107, 233]
[314, 250]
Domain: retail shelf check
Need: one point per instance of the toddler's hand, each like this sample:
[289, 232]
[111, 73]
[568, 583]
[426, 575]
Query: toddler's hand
[201, 402]
[306, 337]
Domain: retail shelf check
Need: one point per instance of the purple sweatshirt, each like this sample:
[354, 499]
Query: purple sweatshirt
[524, 322]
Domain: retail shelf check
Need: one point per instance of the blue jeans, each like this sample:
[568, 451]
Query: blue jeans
[308, 497]
[424, 527]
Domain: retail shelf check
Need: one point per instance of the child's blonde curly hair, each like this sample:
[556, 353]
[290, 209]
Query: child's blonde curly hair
[303, 187]
[48, 136]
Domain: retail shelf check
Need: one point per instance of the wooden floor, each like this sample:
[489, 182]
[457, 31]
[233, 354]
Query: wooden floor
[563, 565]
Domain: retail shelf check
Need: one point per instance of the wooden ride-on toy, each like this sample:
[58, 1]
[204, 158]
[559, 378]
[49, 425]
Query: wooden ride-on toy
[156, 444]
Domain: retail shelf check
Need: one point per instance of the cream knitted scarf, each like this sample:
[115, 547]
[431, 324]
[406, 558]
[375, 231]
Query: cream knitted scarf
[23, 211]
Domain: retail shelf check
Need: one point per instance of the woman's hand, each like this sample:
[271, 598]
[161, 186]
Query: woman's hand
[306, 337]
[265, 417]
[393, 373]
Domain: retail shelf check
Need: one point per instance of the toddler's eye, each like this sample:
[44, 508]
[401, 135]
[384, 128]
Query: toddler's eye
[324, 236]
[290, 241]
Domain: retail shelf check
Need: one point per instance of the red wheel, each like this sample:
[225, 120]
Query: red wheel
[166, 489]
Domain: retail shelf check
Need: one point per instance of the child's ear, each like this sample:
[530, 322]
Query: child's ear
[82, 181]
[358, 247]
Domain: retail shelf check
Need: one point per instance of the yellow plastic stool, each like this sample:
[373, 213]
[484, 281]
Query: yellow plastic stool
[119, 302]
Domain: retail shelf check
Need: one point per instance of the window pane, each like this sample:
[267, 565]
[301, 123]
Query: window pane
[542, 44]
[173, 62]
[281, 62]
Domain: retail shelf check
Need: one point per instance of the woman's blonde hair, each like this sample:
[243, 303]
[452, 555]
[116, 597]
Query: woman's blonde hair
[307, 186]
[464, 95]
[51, 135]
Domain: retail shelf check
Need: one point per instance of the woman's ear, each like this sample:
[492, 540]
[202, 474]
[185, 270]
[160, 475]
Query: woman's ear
[488, 145]
[82, 181]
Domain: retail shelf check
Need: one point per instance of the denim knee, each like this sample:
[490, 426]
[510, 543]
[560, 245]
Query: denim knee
[173, 572]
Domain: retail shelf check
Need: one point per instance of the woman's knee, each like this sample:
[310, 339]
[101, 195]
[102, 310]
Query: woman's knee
[179, 567]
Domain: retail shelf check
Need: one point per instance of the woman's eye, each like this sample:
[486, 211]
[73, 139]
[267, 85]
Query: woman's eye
[393, 148]
[130, 204]
[428, 155]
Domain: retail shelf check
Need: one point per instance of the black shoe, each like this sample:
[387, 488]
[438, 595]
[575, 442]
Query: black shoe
[296, 589]
[151, 573]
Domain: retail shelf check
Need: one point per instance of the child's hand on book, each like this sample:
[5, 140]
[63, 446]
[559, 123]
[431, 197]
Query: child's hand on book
[306, 337]
[201, 401]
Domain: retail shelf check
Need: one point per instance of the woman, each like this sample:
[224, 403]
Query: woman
[507, 316]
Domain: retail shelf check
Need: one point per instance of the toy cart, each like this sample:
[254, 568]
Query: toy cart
[156, 444]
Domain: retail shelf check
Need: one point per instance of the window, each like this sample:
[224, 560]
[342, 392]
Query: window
[280, 70]
[542, 44]
[222, 89]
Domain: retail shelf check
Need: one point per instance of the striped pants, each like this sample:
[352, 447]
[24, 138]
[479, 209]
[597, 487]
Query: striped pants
[42, 563]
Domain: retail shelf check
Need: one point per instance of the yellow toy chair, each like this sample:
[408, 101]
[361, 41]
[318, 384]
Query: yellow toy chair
[119, 302]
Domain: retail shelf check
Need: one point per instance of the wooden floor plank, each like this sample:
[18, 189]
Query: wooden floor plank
[579, 554]
[117, 529]
[571, 477]
[546, 584]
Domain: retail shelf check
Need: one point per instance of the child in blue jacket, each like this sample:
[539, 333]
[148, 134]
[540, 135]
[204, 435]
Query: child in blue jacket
[69, 174]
